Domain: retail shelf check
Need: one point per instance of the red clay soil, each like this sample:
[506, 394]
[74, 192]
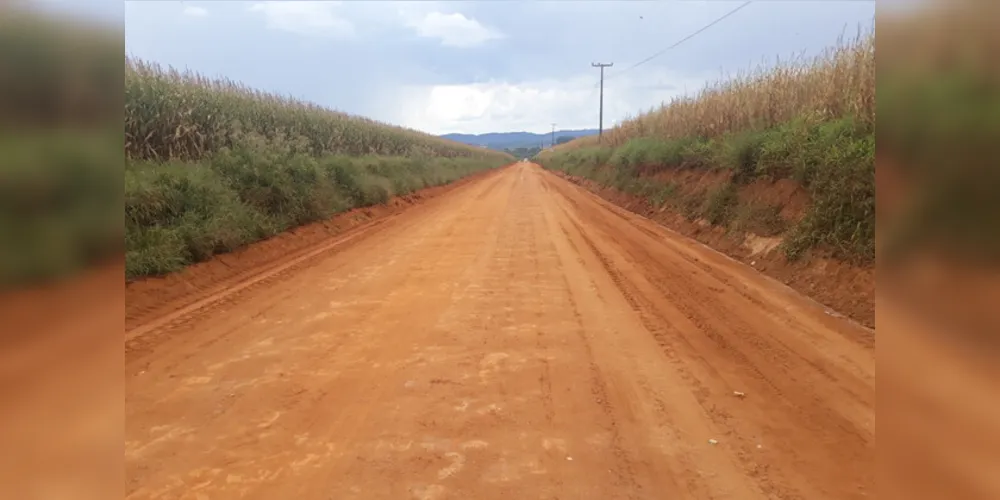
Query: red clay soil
[784, 193]
[691, 181]
[515, 337]
[845, 288]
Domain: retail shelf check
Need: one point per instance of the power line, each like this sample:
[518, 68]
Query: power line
[682, 40]
[600, 122]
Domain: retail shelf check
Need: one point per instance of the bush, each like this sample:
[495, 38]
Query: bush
[834, 160]
[177, 213]
[762, 220]
[644, 152]
[664, 194]
[720, 204]
[842, 213]
[740, 152]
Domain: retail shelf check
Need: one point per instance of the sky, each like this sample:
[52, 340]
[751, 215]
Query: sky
[478, 66]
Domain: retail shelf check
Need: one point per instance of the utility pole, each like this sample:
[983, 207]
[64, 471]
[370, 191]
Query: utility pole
[553, 135]
[600, 123]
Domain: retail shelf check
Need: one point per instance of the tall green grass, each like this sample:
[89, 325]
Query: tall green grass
[833, 160]
[181, 212]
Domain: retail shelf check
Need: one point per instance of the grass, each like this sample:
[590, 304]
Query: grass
[720, 204]
[181, 212]
[834, 161]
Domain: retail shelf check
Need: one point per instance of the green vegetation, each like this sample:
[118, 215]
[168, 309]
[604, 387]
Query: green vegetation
[811, 121]
[814, 122]
[523, 152]
[212, 166]
[834, 161]
[178, 213]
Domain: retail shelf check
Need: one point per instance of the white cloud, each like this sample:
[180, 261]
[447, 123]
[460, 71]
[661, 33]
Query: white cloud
[543, 75]
[532, 106]
[305, 18]
[453, 30]
[194, 11]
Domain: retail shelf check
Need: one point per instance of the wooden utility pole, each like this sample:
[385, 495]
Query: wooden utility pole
[553, 135]
[600, 123]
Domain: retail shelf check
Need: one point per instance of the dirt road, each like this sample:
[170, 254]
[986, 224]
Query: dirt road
[516, 337]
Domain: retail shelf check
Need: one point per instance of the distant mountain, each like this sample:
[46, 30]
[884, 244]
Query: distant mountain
[514, 140]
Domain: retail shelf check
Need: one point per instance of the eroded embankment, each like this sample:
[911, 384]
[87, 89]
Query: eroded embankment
[755, 238]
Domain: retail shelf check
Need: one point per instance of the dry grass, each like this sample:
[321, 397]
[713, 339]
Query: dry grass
[838, 83]
[183, 115]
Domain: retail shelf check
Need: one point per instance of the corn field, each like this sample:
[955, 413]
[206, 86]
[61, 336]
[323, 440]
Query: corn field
[213, 165]
[838, 83]
[183, 115]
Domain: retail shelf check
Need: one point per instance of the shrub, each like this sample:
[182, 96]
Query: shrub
[179, 212]
[721, 203]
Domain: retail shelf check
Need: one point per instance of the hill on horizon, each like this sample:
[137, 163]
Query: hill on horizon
[515, 140]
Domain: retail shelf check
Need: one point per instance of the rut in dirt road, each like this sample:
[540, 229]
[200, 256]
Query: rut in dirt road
[516, 337]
